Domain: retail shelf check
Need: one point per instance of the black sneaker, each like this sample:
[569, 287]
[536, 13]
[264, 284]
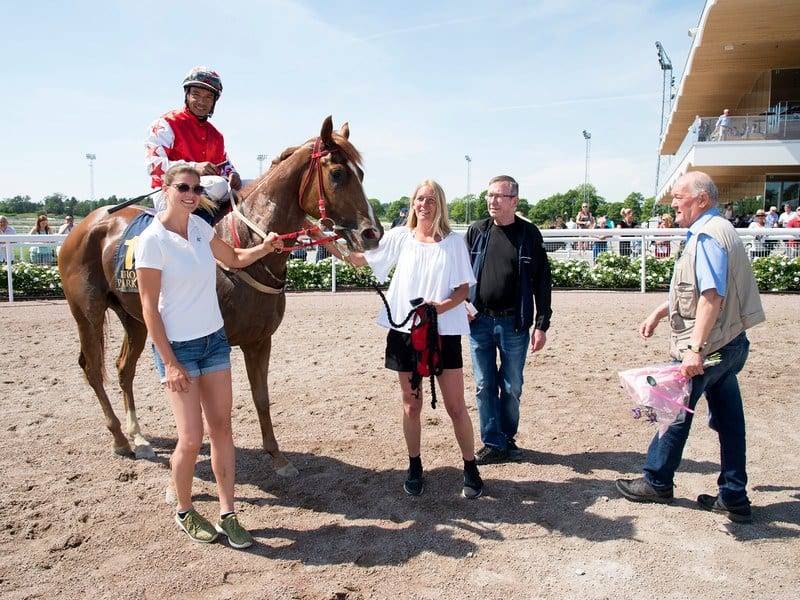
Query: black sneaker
[738, 514]
[514, 452]
[473, 484]
[489, 455]
[414, 484]
[638, 490]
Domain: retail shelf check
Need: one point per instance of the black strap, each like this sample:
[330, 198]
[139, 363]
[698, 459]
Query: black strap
[130, 201]
[389, 310]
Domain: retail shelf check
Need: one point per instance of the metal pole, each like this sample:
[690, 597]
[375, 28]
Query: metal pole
[666, 67]
[261, 158]
[469, 163]
[587, 136]
[91, 158]
[9, 276]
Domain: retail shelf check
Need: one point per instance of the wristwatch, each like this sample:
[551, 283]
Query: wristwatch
[697, 349]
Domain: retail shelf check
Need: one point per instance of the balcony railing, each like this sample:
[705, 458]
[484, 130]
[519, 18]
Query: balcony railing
[764, 126]
[779, 123]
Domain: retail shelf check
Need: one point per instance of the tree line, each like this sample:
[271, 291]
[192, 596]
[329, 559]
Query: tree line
[58, 204]
[542, 212]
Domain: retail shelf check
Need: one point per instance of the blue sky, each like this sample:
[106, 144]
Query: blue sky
[422, 84]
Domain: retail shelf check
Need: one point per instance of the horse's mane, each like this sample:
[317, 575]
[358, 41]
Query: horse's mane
[342, 144]
[350, 152]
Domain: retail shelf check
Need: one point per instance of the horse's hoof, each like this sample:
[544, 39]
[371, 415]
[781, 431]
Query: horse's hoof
[123, 450]
[288, 470]
[145, 451]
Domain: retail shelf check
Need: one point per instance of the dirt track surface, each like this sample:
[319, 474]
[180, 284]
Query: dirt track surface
[80, 522]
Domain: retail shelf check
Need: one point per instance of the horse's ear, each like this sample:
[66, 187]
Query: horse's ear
[326, 133]
[345, 131]
[287, 153]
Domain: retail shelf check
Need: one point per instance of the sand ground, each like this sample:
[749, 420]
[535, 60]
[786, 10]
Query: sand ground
[79, 521]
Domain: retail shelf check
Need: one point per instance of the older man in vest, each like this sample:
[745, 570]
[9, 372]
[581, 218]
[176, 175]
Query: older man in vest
[713, 299]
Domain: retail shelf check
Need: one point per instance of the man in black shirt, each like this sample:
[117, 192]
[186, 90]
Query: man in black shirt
[510, 263]
[400, 219]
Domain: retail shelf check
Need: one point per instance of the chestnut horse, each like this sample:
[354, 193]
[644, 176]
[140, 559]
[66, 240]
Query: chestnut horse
[321, 179]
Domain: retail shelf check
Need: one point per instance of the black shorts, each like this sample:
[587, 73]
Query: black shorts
[400, 353]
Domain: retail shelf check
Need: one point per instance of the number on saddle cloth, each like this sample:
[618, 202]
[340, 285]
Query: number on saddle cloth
[124, 267]
[427, 345]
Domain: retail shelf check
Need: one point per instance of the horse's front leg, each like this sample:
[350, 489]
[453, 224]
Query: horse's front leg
[256, 358]
[132, 346]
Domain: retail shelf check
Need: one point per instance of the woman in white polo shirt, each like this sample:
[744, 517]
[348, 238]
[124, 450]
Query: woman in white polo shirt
[176, 272]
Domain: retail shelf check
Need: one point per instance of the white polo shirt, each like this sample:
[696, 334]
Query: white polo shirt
[188, 301]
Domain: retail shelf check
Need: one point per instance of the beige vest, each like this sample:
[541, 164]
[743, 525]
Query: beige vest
[741, 308]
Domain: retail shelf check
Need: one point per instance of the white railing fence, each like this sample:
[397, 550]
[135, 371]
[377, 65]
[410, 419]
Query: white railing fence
[561, 244]
[586, 244]
[35, 249]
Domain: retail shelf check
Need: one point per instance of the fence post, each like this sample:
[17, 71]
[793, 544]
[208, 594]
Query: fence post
[644, 261]
[9, 255]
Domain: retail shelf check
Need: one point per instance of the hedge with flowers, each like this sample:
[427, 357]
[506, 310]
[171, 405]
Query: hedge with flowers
[773, 274]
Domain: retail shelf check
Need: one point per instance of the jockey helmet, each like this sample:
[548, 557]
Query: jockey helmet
[205, 78]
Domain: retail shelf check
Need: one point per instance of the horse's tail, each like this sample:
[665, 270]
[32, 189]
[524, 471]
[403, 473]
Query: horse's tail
[103, 345]
[103, 342]
[101, 367]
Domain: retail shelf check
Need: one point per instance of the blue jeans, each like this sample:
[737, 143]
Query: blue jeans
[201, 356]
[725, 416]
[498, 389]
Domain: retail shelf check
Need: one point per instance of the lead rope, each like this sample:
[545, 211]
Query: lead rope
[389, 310]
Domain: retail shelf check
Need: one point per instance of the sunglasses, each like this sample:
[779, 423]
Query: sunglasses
[185, 187]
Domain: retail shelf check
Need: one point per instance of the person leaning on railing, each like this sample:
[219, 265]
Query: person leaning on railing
[794, 222]
[664, 249]
[5, 229]
[41, 255]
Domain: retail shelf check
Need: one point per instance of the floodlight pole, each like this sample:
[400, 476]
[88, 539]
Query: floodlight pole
[91, 158]
[469, 163]
[667, 81]
[261, 158]
[587, 136]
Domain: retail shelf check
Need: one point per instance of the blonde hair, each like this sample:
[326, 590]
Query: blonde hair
[441, 222]
[205, 202]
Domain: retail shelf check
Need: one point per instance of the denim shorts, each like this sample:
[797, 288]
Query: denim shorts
[400, 352]
[201, 356]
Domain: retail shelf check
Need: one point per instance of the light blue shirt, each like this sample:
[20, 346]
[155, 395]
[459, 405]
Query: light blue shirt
[711, 259]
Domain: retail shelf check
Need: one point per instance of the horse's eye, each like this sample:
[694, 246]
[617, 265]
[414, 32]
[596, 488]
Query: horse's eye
[337, 175]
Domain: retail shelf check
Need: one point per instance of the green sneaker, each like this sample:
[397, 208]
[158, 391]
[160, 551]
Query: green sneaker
[238, 536]
[196, 527]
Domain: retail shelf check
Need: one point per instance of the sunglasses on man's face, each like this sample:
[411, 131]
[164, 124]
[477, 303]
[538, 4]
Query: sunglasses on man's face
[185, 187]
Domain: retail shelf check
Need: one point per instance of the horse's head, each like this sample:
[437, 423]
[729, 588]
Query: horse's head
[332, 189]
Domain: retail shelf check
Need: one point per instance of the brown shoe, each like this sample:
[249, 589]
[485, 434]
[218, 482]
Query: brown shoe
[638, 490]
